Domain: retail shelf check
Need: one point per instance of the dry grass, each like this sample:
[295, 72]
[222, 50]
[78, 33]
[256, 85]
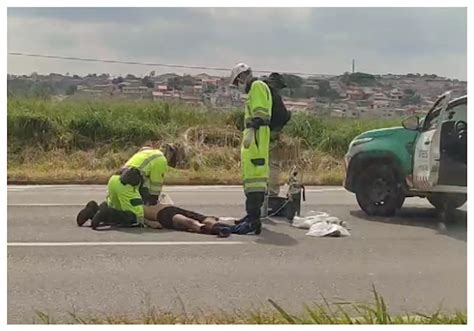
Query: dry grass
[376, 312]
[213, 166]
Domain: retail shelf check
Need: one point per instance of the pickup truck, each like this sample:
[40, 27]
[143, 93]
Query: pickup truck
[425, 157]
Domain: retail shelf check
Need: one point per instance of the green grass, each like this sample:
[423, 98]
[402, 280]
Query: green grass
[324, 313]
[85, 141]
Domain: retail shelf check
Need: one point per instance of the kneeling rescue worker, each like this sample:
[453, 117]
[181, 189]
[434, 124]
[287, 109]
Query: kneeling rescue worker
[137, 183]
[254, 151]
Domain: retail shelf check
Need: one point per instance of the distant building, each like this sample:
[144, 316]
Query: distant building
[396, 95]
[380, 101]
[355, 93]
[165, 95]
[296, 106]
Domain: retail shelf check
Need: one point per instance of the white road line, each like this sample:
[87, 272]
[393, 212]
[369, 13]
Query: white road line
[45, 205]
[208, 188]
[122, 243]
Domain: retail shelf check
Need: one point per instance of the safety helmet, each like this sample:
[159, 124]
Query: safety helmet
[237, 70]
[171, 154]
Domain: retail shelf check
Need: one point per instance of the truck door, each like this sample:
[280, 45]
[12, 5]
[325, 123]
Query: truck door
[427, 147]
[453, 147]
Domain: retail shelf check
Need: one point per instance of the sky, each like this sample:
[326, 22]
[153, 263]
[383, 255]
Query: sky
[313, 40]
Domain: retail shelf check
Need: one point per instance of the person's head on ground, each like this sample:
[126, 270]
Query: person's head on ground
[240, 75]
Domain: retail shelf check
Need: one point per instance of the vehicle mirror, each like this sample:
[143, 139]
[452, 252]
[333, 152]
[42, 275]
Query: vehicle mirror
[411, 123]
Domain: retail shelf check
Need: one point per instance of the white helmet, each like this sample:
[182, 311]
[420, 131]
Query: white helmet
[237, 70]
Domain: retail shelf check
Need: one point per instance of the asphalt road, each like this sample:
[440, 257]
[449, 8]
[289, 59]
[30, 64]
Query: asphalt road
[56, 267]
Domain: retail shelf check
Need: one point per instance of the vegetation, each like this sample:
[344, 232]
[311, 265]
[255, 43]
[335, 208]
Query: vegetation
[359, 78]
[61, 141]
[326, 313]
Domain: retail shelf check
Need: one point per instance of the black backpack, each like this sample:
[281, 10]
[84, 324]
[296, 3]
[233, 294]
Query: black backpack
[280, 115]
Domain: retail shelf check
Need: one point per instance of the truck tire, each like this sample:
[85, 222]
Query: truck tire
[449, 201]
[379, 191]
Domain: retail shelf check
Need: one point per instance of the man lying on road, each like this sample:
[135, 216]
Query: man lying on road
[170, 217]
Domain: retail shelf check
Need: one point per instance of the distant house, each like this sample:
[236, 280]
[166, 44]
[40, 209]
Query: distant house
[355, 93]
[165, 95]
[396, 95]
[337, 113]
[192, 100]
[380, 101]
[296, 106]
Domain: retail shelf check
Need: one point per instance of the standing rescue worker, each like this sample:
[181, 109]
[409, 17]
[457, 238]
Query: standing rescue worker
[137, 183]
[254, 153]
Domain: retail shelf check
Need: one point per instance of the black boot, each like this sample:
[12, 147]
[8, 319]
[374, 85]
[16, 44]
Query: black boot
[114, 217]
[87, 213]
[103, 216]
[257, 226]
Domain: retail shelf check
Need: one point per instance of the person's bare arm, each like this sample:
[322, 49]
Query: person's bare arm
[153, 224]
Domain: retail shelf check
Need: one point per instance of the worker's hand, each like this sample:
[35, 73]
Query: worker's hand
[255, 123]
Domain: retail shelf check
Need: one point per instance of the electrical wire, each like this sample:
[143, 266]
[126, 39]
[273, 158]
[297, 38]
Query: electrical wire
[166, 65]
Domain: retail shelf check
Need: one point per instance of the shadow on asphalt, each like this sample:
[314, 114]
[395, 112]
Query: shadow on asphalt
[456, 221]
[133, 230]
[269, 237]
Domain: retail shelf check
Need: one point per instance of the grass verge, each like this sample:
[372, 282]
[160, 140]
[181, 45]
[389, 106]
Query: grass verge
[65, 142]
[337, 313]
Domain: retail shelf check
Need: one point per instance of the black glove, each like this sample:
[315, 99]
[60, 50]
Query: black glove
[148, 199]
[255, 123]
[131, 176]
[152, 200]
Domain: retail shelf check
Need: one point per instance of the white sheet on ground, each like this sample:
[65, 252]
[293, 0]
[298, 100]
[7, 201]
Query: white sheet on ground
[321, 224]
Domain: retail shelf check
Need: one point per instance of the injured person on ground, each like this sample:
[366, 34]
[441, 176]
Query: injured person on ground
[156, 217]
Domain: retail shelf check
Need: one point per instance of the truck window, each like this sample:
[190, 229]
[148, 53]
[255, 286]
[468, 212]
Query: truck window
[456, 113]
[432, 119]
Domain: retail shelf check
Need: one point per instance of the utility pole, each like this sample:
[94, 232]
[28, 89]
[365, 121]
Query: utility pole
[353, 65]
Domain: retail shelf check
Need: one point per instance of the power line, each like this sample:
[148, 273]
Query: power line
[166, 65]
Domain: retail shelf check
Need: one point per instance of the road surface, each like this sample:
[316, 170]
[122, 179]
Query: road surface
[56, 267]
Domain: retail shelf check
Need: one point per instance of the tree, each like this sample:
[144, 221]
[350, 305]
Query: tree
[71, 89]
[117, 80]
[414, 99]
[42, 91]
[324, 88]
[293, 81]
[147, 82]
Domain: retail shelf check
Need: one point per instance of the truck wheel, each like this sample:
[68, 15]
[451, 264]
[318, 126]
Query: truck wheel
[378, 191]
[449, 201]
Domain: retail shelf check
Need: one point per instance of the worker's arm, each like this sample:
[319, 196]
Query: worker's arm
[155, 179]
[260, 104]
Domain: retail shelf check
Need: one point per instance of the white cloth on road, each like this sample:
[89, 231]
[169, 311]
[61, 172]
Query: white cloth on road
[321, 224]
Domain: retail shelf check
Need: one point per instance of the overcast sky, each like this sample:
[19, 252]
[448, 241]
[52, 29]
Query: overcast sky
[316, 40]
